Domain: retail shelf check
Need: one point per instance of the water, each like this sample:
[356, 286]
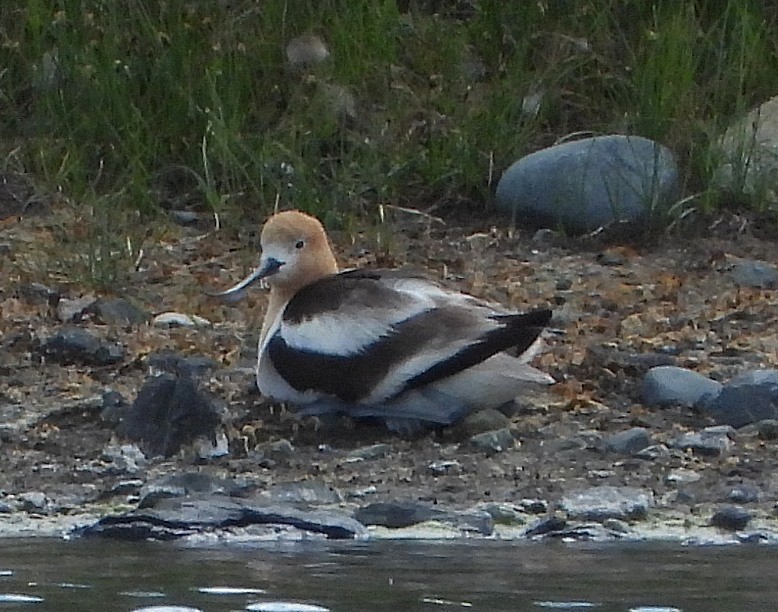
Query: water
[396, 576]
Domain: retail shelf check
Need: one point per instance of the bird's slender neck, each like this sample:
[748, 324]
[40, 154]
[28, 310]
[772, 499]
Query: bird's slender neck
[278, 299]
[324, 264]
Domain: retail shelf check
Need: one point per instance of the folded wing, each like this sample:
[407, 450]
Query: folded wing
[365, 337]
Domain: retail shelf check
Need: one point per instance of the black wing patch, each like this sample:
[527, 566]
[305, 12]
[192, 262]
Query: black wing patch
[519, 331]
[355, 288]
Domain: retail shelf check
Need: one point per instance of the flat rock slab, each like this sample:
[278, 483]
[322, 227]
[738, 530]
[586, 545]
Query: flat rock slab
[173, 518]
[400, 514]
[590, 183]
[606, 502]
[710, 442]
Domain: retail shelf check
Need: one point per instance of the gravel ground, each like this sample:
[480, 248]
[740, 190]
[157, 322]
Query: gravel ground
[619, 310]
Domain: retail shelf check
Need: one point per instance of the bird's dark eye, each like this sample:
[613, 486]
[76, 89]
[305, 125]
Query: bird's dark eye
[299, 244]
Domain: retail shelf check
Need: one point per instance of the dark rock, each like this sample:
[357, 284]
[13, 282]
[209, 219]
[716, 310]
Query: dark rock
[172, 518]
[534, 506]
[39, 293]
[767, 429]
[743, 402]
[755, 274]
[611, 257]
[118, 311]
[396, 515]
[184, 217]
[590, 183]
[114, 406]
[732, 518]
[671, 386]
[168, 413]
[628, 442]
[127, 487]
[491, 442]
[606, 502]
[178, 363]
[710, 442]
[545, 526]
[75, 345]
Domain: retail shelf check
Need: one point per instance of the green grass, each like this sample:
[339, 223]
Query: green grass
[141, 102]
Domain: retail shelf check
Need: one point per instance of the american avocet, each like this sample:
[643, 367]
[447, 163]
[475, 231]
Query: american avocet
[380, 343]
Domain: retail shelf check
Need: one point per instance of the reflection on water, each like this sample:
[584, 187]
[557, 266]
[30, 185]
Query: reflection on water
[98, 575]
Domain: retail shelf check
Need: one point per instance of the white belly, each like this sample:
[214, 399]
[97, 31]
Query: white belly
[271, 384]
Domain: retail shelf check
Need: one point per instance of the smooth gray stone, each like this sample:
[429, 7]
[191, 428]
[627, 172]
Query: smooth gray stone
[740, 404]
[671, 386]
[755, 377]
[118, 311]
[607, 502]
[628, 442]
[589, 183]
[755, 274]
[748, 155]
[396, 515]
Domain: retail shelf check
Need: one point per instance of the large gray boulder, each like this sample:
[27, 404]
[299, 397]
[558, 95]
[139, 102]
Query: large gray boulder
[586, 184]
[748, 154]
